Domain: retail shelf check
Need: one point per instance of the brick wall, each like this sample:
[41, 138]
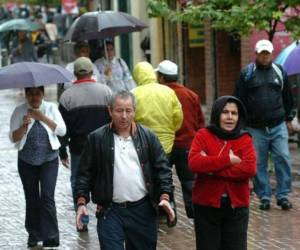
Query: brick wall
[228, 60]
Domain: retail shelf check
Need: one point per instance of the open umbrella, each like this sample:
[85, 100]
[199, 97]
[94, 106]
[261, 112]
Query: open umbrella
[289, 58]
[19, 24]
[31, 74]
[103, 24]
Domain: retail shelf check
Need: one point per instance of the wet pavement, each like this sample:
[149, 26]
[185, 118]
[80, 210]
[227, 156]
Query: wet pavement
[274, 229]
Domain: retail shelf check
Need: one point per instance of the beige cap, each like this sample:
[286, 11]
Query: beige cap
[264, 45]
[167, 67]
[83, 66]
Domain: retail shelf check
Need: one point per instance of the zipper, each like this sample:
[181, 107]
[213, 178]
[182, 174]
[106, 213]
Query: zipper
[225, 143]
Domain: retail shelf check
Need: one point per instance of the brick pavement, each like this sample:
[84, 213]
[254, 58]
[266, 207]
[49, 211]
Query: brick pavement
[275, 229]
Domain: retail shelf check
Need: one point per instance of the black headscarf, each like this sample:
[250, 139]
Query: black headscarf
[217, 109]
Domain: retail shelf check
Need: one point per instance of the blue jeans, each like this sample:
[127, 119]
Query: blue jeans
[131, 228]
[275, 141]
[75, 160]
[39, 187]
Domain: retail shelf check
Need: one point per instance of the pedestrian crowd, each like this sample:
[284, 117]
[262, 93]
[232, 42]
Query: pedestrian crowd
[121, 133]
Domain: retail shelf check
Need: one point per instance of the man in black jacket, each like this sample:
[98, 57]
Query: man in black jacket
[264, 89]
[125, 169]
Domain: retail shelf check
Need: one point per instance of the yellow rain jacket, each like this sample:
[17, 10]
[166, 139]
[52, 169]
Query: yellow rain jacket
[158, 107]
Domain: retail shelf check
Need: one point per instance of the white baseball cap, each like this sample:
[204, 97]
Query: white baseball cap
[264, 45]
[167, 67]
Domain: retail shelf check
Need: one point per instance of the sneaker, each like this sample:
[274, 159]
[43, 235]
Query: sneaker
[264, 204]
[284, 203]
[50, 243]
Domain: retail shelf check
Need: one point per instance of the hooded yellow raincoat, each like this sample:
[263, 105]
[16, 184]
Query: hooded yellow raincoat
[158, 107]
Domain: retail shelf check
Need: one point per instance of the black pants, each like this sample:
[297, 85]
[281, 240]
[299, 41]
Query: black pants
[39, 186]
[221, 228]
[179, 158]
[130, 228]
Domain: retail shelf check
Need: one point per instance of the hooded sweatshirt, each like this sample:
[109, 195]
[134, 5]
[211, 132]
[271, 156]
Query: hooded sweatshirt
[157, 105]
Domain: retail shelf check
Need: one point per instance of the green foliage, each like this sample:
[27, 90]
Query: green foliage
[235, 16]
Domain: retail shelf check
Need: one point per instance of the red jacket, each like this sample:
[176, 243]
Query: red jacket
[216, 175]
[193, 117]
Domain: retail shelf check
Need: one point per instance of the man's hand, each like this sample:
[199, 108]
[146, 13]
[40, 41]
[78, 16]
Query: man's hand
[65, 162]
[234, 159]
[82, 210]
[168, 209]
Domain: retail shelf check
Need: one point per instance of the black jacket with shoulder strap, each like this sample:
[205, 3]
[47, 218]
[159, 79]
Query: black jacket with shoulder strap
[96, 169]
[268, 103]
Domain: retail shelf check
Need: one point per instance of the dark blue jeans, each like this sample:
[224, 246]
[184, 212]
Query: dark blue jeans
[128, 228]
[39, 187]
[179, 158]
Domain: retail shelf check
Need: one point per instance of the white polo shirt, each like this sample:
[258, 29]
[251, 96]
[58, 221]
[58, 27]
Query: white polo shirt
[128, 179]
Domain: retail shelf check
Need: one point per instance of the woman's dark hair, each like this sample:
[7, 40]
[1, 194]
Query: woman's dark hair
[41, 88]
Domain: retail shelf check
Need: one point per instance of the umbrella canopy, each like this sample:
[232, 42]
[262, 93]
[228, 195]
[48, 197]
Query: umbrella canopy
[19, 24]
[31, 74]
[289, 58]
[103, 24]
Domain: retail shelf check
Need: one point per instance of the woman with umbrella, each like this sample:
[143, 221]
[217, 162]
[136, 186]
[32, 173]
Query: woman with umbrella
[223, 158]
[34, 127]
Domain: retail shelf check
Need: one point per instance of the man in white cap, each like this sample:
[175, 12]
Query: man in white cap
[264, 89]
[84, 108]
[193, 120]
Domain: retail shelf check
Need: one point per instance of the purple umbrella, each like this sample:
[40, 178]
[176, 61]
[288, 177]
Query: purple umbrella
[103, 24]
[289, 58]
[31, 74]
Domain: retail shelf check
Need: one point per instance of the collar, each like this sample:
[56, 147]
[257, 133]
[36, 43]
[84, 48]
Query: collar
[85, 80]
[40, 108]
[177, 84]
[133, 128]
[113, 61]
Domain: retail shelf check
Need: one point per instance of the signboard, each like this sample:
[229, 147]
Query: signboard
[196, 35]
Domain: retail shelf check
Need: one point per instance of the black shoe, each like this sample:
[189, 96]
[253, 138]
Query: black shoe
[264, 205]
[284, 203]
[50, 243]
[32, 241]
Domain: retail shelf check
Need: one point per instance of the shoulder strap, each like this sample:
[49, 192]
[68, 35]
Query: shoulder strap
[250, 68]
[279, 73]
[122, 66]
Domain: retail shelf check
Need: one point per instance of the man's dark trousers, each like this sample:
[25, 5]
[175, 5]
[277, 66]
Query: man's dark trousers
[179, 158]
[137, 226]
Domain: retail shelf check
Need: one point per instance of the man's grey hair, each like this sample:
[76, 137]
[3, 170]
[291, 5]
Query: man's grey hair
[123, 94]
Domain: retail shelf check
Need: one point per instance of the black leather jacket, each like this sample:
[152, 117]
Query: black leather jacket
[268, 103]
[97, 165]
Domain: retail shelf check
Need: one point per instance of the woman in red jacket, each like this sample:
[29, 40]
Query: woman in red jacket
[223, 158]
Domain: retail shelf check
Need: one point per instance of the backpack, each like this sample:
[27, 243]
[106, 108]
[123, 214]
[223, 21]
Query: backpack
[250, 68]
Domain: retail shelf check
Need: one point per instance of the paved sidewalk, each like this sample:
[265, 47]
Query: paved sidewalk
[274, 229]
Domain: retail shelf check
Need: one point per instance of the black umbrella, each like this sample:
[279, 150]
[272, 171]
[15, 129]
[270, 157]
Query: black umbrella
[103, 24]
